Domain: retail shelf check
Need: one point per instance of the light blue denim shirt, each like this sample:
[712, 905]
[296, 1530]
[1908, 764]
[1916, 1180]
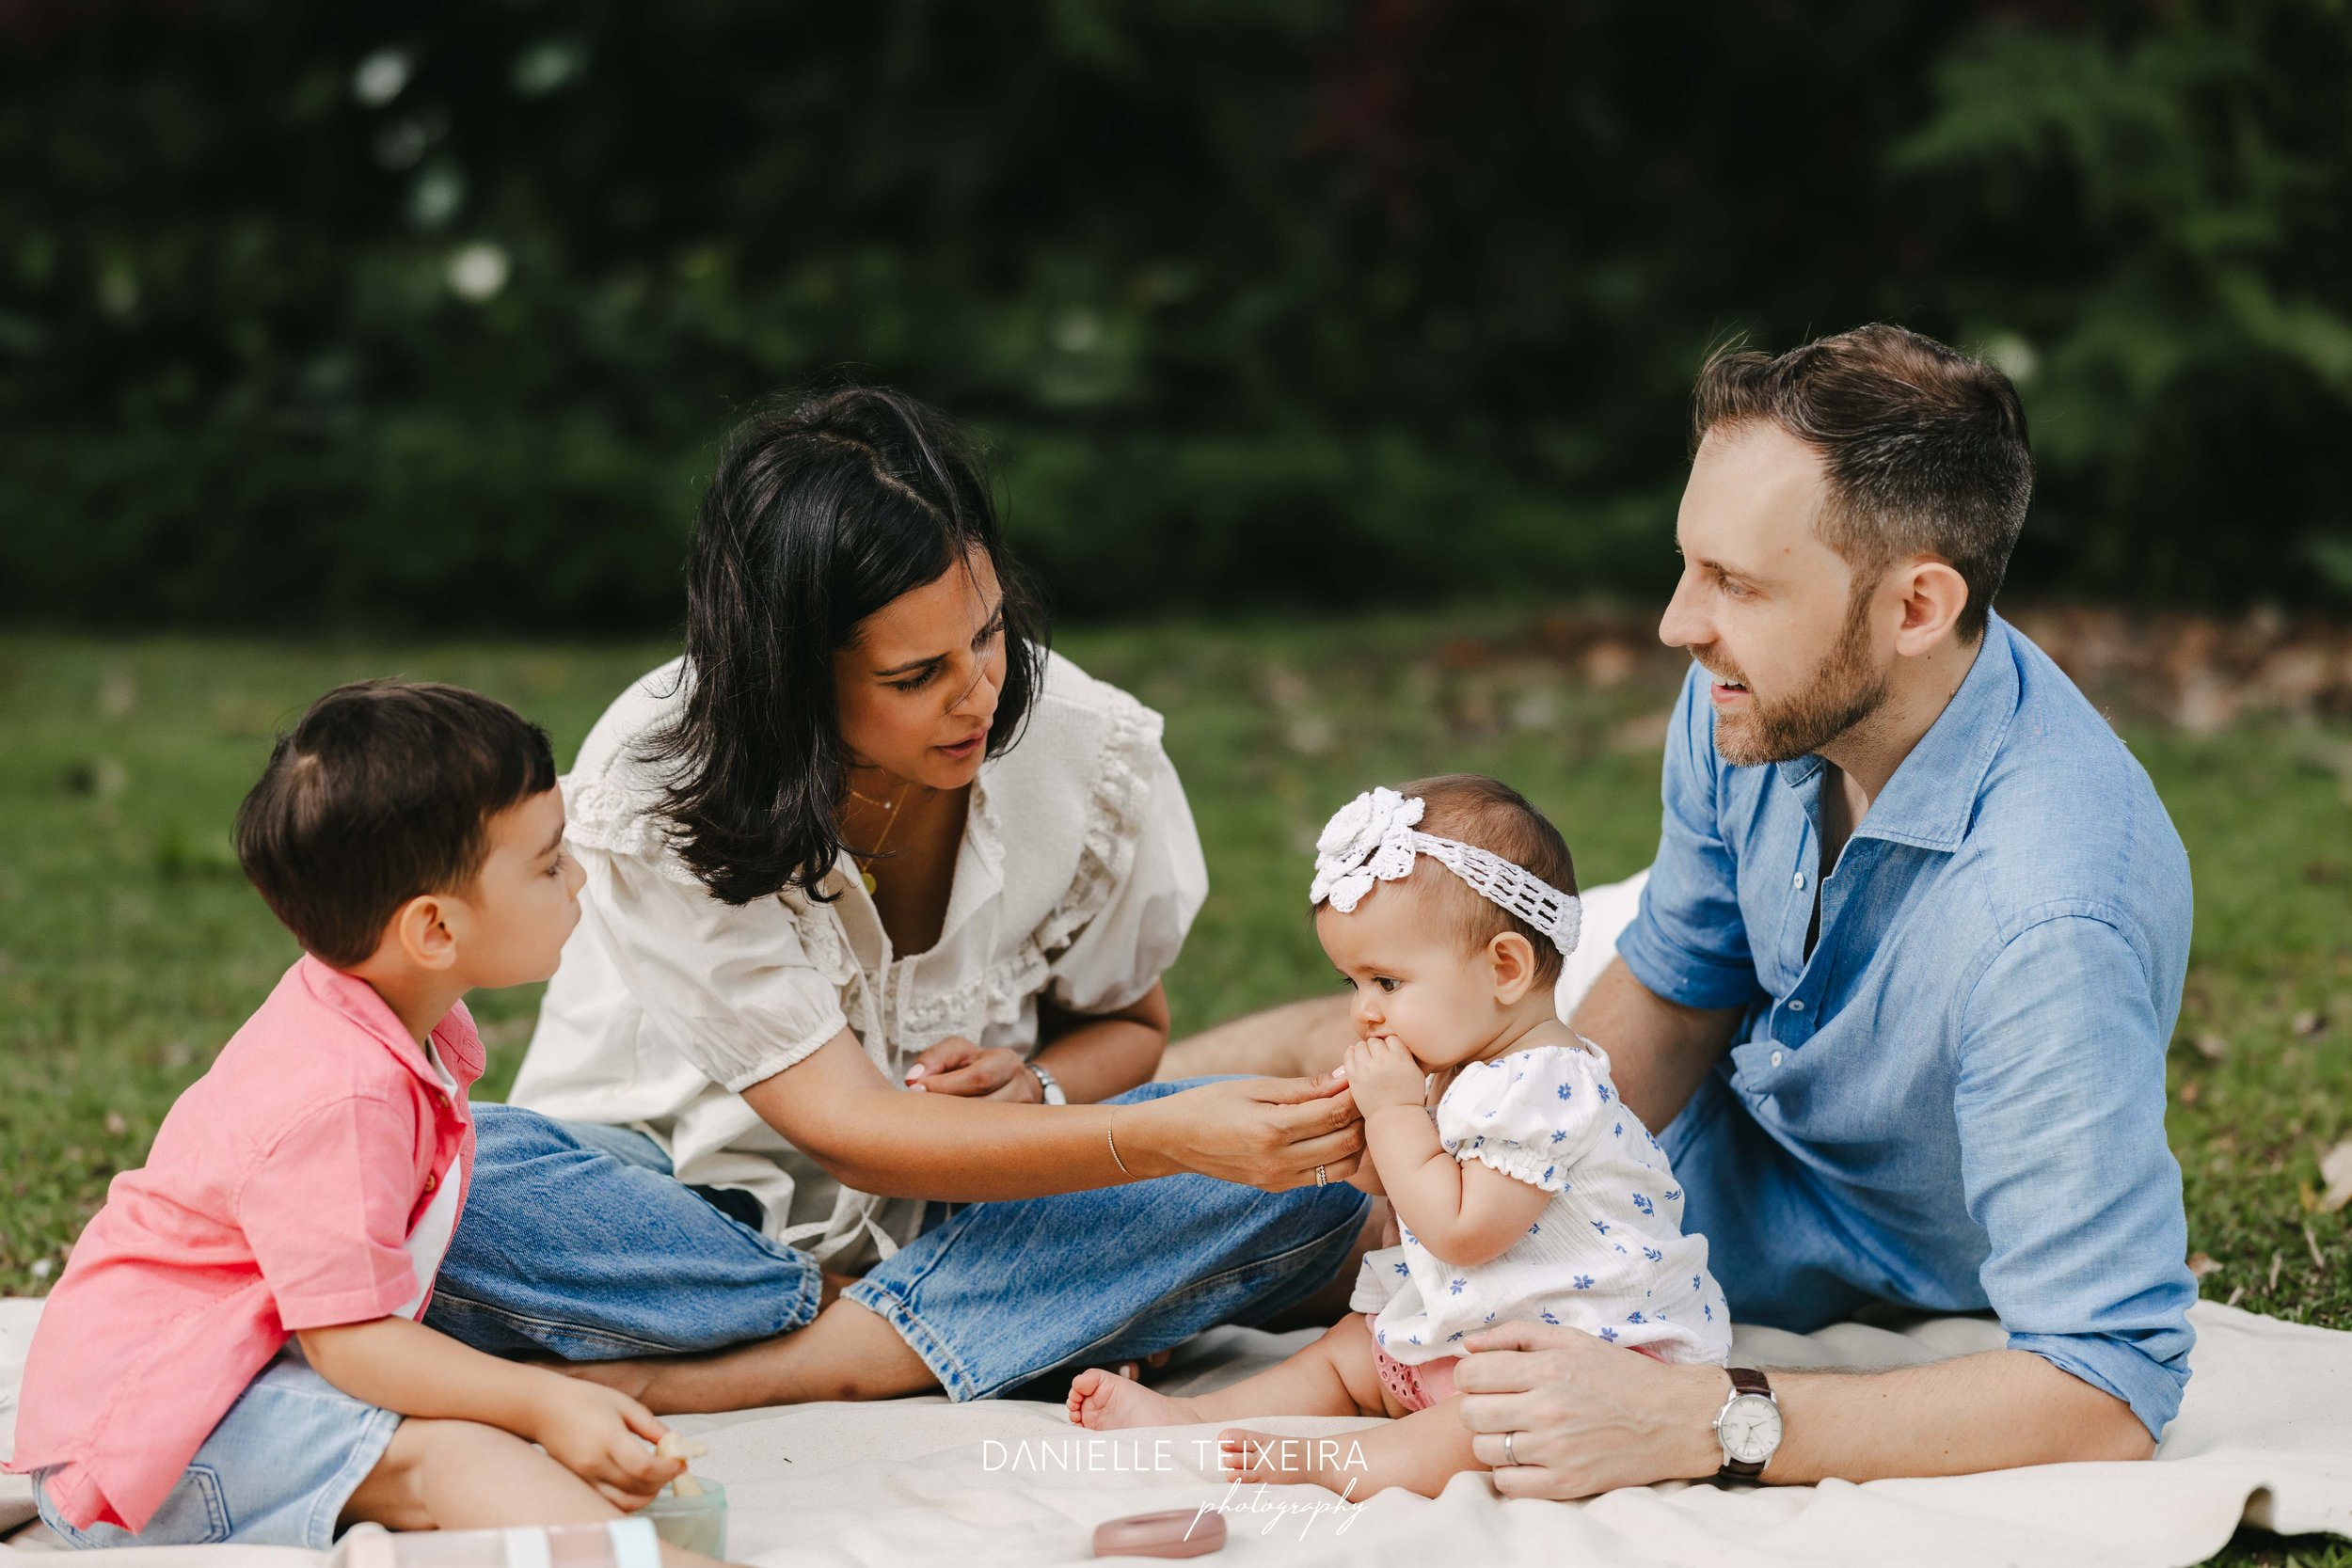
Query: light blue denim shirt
[1963, 1088]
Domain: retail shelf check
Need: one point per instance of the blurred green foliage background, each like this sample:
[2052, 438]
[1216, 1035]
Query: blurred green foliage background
[414, 315]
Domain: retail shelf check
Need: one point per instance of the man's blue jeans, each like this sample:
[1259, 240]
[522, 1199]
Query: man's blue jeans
[576, 1239]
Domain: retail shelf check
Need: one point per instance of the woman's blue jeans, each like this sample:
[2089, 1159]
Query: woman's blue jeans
[576, 1239]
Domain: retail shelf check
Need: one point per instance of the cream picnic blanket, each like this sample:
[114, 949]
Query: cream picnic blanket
[2265, 1435]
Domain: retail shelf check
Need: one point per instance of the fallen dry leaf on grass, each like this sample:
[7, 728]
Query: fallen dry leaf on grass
[2335, 1168]
[2200, 1264]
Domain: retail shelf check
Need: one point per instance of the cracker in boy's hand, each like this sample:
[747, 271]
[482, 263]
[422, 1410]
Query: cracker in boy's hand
[677, 1445]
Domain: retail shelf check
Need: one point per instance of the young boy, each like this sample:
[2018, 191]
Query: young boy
[236, 1351]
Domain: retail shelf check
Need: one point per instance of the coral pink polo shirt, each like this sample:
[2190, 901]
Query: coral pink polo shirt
[281, 1193]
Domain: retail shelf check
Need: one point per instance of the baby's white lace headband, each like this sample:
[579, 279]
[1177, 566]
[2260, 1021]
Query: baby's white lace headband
[1371, 839]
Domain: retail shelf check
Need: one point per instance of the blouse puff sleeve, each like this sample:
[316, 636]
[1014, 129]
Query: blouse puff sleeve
[733, 990]
[1140, 881]
[1529, 1115]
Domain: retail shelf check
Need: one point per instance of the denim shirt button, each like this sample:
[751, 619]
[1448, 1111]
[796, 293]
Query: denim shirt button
[1775, 1058]
[1796, 1004]
[1800, 881]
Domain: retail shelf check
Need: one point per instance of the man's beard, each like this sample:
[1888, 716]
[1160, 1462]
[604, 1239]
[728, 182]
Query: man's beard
[1841, 692]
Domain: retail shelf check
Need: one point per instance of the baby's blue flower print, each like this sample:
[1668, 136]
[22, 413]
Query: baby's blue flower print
[1709, 1309]
[1559, 1136]
[1402, 1267]
[1582, 1282]
[1566, 1091]
[1610, 1335]
[1517, 1076]
[1643, 1204]
[1536, 1229]
[1414, 1340]
[1456, 1334]
[1382, 1336]
[1653, 1254]
[1456, 1289]
[1552, 1321]
[1621, 1247]
[1694, 1282]
[1604, 1094]
[1601, 1226]
[1618, 1130]
[1674, 1195]
[1450, 1143]
[1488, 1318]
[1635, 1318]
[1548, 1170]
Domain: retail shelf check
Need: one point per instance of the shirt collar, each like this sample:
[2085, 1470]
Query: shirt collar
[360, 1003]
[1932, 795]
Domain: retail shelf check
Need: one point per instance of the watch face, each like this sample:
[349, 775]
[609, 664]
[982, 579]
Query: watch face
[1751, 1428]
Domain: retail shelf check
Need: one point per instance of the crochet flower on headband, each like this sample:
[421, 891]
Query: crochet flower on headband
[1374, 838]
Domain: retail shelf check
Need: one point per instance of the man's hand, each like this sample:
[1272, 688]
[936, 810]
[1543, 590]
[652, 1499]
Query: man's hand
[1585, 1416]
[1381, 1073]
[957, 1066]
[595, 1433]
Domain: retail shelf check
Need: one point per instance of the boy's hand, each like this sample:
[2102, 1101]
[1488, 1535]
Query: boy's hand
[1381, 1073]
[600, 1434]
[955, 1066]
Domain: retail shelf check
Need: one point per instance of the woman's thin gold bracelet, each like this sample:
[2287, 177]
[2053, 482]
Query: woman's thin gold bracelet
[1112, 1136]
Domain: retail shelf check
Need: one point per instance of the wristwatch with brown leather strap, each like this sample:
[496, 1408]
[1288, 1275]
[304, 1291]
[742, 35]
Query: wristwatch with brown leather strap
[1748, 1426]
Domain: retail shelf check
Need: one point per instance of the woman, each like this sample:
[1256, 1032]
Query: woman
[871, 875]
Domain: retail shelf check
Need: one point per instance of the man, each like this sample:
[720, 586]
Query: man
[1899, 987]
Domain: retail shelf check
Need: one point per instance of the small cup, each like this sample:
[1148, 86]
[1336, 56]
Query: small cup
[691, 1524]
[1171, 1532]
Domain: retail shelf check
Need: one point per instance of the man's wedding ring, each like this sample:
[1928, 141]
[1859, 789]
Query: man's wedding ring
[1321, 1179]
[1508, 1455]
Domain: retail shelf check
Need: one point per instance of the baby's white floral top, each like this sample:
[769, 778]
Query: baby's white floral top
[1078, 875]
[1606, 1255]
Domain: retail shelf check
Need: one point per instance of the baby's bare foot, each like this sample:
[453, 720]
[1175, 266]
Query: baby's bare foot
[1262, 1456]
[1101, 1400]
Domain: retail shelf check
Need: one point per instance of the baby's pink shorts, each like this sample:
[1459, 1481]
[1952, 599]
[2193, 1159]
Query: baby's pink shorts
[1416, 1387]
[1419, 1387]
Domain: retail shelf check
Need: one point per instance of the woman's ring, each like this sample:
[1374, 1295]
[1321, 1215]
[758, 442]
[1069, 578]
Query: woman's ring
[1321, 1179]
[1508, 1455]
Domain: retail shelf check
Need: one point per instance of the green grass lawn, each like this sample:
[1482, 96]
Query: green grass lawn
[130, 946]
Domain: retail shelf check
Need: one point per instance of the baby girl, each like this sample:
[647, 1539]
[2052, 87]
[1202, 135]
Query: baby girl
[1530, 1193]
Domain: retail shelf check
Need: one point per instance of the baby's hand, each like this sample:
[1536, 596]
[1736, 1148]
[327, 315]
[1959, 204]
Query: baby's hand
[601, 1436]
[1381, 1072]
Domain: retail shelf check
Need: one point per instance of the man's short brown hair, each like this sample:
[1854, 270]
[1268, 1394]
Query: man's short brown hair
[1925, 448]
[383, 790]
[1471, 808]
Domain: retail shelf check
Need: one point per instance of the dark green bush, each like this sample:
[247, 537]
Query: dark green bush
[313, 316]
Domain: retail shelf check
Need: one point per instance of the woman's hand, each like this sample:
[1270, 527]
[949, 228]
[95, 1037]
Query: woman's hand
[1267, 1132]
[1382, 1073]
[955, 1066]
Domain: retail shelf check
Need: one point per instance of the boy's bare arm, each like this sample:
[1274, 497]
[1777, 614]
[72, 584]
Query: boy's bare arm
[404, 1367]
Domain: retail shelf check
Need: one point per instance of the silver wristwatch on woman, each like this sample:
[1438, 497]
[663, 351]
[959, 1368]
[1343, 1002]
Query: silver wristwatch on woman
[1047, 1085]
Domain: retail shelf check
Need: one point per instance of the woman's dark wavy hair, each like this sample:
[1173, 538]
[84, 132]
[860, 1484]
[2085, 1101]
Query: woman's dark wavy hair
[818, 516]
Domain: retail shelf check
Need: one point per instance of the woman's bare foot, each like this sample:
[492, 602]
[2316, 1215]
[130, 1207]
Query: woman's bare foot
[1101, 1400]
[634, 1378]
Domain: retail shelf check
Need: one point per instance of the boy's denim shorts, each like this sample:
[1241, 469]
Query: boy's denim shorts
[277, 1471]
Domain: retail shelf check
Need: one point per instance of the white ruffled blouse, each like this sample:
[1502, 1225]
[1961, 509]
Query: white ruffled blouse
[1078, 874]
[1606, 1255]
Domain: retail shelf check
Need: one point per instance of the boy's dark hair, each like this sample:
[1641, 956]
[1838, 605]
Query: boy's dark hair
[384, 790]
[1474, 809]
[1925, 447]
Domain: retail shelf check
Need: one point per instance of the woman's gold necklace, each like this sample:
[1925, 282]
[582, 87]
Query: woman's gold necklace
[890, 822]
